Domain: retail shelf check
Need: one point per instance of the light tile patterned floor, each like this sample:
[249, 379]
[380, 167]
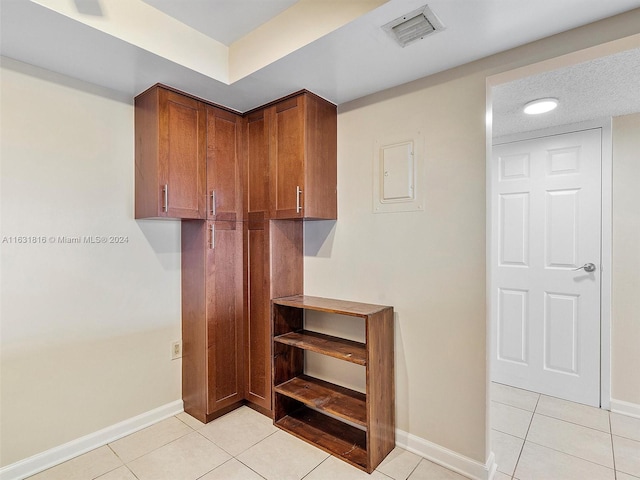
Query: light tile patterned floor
[539, 437]
[534, 437]
[242, 445]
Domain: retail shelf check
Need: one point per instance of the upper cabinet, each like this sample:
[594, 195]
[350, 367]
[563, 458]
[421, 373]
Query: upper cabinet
[302, 153]
[224, 173]
[197, 161]
[256, 169]
[170, 155]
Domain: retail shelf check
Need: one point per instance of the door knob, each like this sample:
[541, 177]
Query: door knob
[588, 267]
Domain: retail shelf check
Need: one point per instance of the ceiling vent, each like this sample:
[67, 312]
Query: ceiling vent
[413, 26]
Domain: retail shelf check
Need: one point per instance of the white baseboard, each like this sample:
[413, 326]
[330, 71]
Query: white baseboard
[49, 458]
[447, 458]
[625, 408]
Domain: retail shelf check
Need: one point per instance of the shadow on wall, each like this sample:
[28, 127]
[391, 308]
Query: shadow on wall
[164, 238]
[318, 238]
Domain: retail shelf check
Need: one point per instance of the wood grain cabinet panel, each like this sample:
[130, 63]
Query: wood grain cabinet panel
[169, 155]
[302, 152]
[257, 329]
[256, 151]
[212, 318]
[224, 168]
[274, 267]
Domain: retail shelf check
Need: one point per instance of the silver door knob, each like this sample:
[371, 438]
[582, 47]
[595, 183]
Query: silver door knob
[588, 267]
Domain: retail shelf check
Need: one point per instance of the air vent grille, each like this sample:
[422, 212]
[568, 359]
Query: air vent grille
[414, 26]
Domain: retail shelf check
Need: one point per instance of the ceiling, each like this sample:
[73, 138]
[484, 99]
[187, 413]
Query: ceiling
[350, 61]
[223, 20]
[605, 87]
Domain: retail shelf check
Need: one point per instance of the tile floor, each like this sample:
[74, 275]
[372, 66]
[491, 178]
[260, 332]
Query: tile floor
[242, 445]
[534, 437]
[539, 437]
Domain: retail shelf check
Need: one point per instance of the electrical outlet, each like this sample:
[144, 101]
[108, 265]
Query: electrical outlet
[176, 349]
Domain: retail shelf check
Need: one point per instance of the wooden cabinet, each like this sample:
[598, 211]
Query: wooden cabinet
[256, 166]
[302, 152]
[170, 149]
[257, 328]
[357, 427]
[224, 169]
[212, 318]
[240, 183]
[274, 259]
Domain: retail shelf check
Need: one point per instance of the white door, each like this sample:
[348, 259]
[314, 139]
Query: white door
[546, 224]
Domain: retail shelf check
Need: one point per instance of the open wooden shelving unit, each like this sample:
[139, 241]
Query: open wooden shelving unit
[357, 427]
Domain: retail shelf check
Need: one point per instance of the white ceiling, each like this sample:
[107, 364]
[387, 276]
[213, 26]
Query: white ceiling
[353, 61]
[608, 86]
[222, 20]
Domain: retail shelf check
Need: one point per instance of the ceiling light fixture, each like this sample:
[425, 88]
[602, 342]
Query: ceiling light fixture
[542, 105]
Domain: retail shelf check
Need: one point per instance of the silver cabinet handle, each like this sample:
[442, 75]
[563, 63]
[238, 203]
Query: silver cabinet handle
[298, 193]
[212, 242]
[588, 267]
[213, 203]
[165, 198]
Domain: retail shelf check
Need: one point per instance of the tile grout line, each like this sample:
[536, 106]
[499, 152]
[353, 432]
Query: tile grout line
[415, 468]
[571, 455]
[513, 406]
[207, 473]
[533, 414]
[314, 468]
[574, 423]
[242, 463]
[613, 450]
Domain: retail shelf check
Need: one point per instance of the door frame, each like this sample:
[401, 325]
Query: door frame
[518, 72]
[605, 237]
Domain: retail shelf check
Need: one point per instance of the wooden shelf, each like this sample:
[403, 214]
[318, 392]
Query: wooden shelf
[327, 397]
[341, 307]
[332, 436]
[348, 350]
[354, 426]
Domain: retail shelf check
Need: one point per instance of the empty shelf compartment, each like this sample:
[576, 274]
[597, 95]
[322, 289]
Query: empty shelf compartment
[348, 350]
[327, 397]
[331, 435]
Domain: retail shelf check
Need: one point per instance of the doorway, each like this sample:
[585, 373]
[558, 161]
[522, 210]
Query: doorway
[522, 85]
[545, 263]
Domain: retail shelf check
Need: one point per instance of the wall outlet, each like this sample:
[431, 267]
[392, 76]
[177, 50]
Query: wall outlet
[176, 349]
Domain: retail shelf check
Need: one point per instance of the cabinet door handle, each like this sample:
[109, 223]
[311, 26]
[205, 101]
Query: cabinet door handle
[298, 203]
[212, 242]
[213, 203]
[165, 198]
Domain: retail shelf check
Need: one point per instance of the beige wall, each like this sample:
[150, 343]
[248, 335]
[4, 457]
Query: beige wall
[429, 265]
[86, 329]
[626, 260]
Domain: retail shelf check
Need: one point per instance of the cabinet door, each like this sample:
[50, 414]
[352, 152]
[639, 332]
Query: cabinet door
[181, 162]
[256, 186]
[224, 279]
[287, 152]
[257, 316]
[224, 196]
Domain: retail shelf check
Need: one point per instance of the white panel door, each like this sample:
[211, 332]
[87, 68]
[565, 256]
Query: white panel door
[546, 224]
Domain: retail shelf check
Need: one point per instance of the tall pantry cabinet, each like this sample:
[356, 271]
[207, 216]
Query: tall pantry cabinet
[240, 184]
[212, 280]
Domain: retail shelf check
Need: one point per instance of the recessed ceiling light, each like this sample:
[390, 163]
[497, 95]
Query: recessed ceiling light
[542, 105]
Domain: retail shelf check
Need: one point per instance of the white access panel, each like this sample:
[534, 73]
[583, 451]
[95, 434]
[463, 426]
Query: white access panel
[397, 172]
[397, 167]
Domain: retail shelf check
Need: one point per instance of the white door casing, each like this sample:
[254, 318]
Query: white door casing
[546, 221]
